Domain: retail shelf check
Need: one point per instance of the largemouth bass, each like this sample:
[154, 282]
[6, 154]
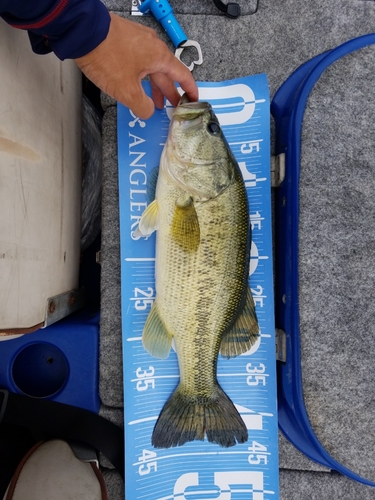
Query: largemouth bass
[203, 300]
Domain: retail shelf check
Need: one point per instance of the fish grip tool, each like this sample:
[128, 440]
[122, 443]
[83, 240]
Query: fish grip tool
[163, 13]
[288, 108]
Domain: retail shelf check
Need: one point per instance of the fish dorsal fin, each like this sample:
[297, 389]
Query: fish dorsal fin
[149, 221]
[244, 333]
[155, 338]
[185, 225]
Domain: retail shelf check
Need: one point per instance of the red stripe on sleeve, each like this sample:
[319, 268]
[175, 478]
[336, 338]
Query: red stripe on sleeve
[47, 19]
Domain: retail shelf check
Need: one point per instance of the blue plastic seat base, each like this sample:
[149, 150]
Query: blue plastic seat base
[288, 107]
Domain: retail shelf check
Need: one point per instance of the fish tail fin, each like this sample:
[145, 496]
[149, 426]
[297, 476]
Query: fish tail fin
[187, 418]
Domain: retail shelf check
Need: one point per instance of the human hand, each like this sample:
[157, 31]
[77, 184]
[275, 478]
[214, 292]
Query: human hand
[129, 53]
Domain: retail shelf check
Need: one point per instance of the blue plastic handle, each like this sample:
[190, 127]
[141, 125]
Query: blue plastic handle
[163, 13]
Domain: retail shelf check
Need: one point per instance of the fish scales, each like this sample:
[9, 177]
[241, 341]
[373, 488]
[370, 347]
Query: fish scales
[201, 270]
[202, 289]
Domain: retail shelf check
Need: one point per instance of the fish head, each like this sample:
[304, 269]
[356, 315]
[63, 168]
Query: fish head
[197, 157]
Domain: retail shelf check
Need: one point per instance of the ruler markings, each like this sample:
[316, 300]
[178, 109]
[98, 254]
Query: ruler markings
[140, 416]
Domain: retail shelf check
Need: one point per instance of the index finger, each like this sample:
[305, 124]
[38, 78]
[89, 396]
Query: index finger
[179, 73]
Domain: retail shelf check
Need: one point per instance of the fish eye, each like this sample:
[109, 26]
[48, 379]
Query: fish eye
[213, 128]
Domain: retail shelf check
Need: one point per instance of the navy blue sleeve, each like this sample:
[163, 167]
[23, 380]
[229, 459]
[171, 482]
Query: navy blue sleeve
[69, 28]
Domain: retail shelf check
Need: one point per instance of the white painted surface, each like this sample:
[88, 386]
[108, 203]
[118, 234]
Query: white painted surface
[40, 179]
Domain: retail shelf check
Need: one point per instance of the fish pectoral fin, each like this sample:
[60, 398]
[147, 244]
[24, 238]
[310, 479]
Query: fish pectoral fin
[152, 180]
[149, 221]
[185, 229]
[155, 338]
[244, 333]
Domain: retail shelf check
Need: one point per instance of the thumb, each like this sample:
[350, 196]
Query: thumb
[140, 104]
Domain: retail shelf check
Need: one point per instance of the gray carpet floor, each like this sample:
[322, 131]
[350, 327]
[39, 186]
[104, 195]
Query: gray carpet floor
[336, 229]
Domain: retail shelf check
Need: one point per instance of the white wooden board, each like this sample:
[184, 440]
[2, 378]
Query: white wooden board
[40, 178]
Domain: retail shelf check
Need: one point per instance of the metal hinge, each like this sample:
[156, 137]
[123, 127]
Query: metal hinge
[277, 170]
[98, 257]
[62, 305]
[280, 345]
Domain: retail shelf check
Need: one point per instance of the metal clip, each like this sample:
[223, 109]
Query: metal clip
[280, 345]
[277, 170]
[190, 43]
[163, 13]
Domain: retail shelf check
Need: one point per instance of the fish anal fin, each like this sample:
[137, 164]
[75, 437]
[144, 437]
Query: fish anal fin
[188, 418]
[149, 221]
[155, 338]
[244, 332]
[185, 225]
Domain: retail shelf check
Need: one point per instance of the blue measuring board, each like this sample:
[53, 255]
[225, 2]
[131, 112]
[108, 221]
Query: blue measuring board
[199, 470]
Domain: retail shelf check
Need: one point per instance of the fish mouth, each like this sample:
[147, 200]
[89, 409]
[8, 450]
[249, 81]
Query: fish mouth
[184, 101]
[187, 110]
[193, 105]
